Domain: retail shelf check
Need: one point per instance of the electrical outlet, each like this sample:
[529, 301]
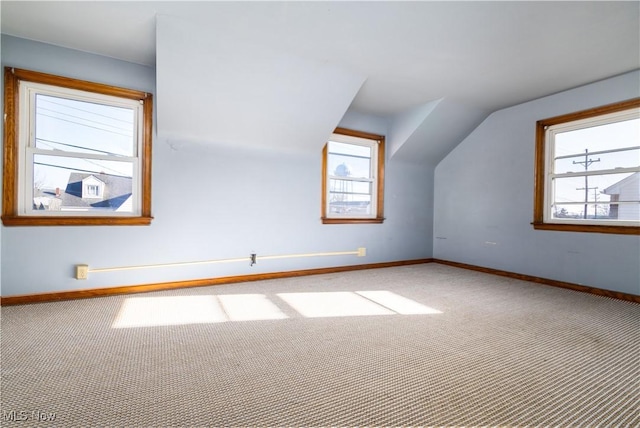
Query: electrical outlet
[362, 252]
[82, 271]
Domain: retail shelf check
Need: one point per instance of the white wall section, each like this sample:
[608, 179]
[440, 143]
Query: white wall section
[215, 86]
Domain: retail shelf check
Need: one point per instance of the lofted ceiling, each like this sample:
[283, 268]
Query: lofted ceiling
[417, 65]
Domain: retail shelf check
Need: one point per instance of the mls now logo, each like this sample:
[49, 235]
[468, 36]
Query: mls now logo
[23, 415]
[15, 416]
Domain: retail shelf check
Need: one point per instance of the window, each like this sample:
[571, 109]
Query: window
[92, 190]
[588, 170]
[92, 187]
[75, 152]
[353, 178]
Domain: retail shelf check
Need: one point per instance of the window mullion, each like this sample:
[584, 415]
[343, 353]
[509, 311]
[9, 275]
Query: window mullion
[79, 155]
[596, 172]
[358, 179]
[602, 152]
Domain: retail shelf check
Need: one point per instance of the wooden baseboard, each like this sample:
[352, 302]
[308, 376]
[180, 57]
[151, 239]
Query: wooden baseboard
[545, 281]
[131, 289]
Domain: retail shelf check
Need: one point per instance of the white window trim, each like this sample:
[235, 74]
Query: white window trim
[27, 150]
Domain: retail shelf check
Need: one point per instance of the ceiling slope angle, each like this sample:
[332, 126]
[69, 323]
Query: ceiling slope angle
[214, 89]
[405, 123]
[427, 133]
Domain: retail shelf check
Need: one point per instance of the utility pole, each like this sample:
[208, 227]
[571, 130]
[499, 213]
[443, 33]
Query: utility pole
[595, 199]
[586, 163]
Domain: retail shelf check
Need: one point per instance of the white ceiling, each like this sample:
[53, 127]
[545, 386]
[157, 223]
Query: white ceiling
[478, 56]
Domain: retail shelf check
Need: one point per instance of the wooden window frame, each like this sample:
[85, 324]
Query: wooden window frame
[10, 207]
[540, 171]
[379, 215]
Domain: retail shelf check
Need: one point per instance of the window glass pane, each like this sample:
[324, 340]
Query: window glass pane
[346, 196]
[584, 162]
[83, 127]
[349, 160]
[595, 189]
[603, 211]
[580, 143]
[77, 184]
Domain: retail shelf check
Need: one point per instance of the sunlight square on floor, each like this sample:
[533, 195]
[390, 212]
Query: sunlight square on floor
[200, 309]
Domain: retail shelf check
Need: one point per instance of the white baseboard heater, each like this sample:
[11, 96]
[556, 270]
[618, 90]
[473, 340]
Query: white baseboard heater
[83, 270]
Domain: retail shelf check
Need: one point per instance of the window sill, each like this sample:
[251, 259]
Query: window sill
[76, 221]
[328, 220]
[589, 228]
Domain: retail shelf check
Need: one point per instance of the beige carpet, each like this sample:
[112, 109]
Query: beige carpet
[423, 345]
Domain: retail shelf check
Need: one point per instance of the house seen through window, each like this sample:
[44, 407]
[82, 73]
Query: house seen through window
[81, 151]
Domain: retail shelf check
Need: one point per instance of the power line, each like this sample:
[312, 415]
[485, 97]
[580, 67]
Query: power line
[78, 147]
[82, 118]
[78, 170]
[101, 166]
[45, 99]
[82, 124]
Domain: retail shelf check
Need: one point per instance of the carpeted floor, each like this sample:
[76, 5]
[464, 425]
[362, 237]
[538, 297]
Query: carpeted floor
[422, 345]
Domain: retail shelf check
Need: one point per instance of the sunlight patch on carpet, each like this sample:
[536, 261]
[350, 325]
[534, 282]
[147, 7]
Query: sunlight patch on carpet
[348, 304]
[250, 307]
[182, 310]
[333, 304]
[169, 310]
[397, 303]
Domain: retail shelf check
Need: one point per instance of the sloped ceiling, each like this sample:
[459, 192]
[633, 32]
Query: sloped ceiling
[444, 123]
[213, 86]
[289, 70]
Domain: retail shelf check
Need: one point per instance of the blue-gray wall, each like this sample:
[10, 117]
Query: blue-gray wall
[218, 201]
[484, 200]
[211, 202]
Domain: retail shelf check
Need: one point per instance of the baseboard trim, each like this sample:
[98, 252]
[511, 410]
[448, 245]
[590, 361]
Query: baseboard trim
[132, 289]
[545, 281]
